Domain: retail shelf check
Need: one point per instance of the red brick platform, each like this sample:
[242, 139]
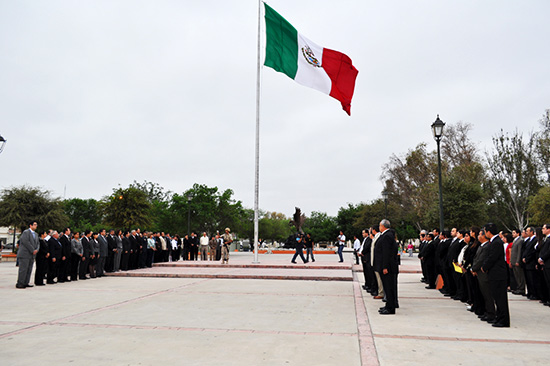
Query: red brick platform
[242, 267]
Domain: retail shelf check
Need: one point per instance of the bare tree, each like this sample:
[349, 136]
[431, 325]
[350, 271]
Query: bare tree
[513, 174]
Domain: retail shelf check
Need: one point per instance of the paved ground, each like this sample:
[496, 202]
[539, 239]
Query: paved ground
[241, 321]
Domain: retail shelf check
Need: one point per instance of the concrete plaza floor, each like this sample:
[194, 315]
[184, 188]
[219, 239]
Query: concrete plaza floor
[209, 320]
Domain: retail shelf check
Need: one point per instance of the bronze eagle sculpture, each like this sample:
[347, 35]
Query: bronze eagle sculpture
[298, 220]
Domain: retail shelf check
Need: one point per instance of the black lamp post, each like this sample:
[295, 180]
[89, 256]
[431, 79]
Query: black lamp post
[189, 198]
[385, 197]
[2, 143]
[437, 129]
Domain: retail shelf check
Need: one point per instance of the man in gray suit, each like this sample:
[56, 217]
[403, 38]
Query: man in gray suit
[516, 262]
[28, 247]
[103, 253]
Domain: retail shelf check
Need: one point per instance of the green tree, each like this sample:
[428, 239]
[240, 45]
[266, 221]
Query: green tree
[321, 226]
[274, 226]
[347, 218]
[83, 214]
[539, 206]
[210, 210]
[20, 205]
[370, 214]
[411, 185]
[127, 208]
[464, 197]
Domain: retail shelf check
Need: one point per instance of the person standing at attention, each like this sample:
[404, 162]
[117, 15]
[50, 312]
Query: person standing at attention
[356, 247]
[341, 243]
[227, 239]
[204, 246]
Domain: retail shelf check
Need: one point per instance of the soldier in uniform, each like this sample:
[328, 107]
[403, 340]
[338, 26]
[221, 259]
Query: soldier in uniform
[227, 239]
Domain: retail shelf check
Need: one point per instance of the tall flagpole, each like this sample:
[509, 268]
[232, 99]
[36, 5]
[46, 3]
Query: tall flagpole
[257, 168]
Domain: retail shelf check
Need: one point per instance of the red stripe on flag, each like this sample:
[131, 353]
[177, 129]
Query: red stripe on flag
[342, 74]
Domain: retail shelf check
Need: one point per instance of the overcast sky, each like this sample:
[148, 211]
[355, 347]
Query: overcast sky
[94, 94]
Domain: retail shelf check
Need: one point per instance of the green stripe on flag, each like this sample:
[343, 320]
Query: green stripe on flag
[281, 49]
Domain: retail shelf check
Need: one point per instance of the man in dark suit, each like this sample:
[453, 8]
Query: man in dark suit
[364, 253]
[386, 265]
[427, 256]
[441, 256]
[186, 248]
[495, 265]
[87, 252]
[134, 245]
[423, 242]
[56, 253]
[111, 245]
[544, 258]
[142, 251]
[28, 247]
[529, 259]
[126, 249]
[485, 305]
[452, 256]
[194, 250]
[41, 261]
[65, 241]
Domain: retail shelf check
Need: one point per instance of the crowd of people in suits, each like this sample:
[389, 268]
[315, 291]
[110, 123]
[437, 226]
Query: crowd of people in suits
[67, 256]
[481, 265]
[379, 253]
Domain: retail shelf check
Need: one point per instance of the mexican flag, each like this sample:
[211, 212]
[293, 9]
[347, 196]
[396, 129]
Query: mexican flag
[309, 64]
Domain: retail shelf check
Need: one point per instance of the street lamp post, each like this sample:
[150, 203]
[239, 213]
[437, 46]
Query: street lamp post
[385, 196]
[189, 198]
[2, 143]
[437, 129]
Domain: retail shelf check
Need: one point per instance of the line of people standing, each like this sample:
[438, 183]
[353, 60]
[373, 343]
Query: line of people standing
[379, 253]
[473, 269]
[65, 257]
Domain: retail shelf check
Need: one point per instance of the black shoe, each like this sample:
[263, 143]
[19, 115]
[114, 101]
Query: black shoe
[491, 321]
[293, 262]
[39, 284]
[340, 261]
[500, 325]
[19, 286]
[387, 312]
[430, 287]
[29, 285]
